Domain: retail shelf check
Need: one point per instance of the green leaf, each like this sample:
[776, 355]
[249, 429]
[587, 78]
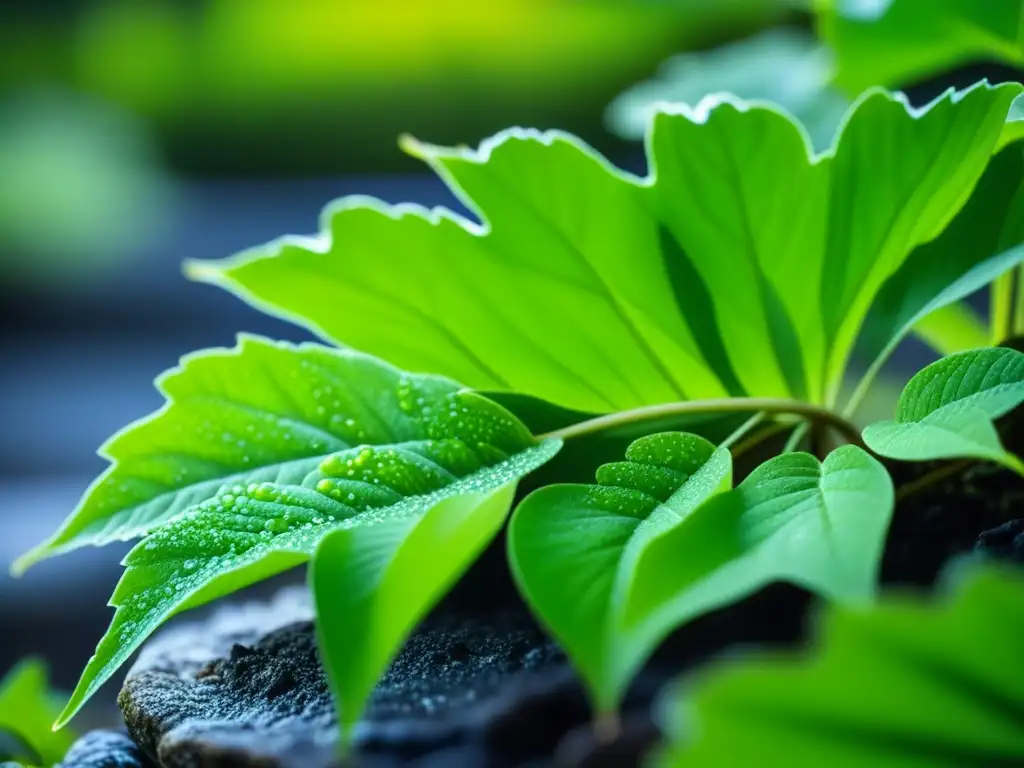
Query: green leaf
[574, 548]
[260, 412]
[898, 42]
[782, 66]
[947, 409]
[452, 443]
[27, 709]
[985, 240]
[899, 684]
[821, 526]
[612, 572]
[1014, 128]
[953, 328]
[372, 584]
[751, 263]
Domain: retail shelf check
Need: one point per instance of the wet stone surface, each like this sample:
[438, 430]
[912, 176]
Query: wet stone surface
[105, 749]
[246, 688]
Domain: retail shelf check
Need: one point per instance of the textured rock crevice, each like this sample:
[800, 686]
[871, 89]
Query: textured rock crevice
[247, 687]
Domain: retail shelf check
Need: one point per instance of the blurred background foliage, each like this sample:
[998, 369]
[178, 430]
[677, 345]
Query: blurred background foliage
[104, 103]
[308, 86]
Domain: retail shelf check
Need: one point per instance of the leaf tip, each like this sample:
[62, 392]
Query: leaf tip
[412, 146]
[23, 562]
[201, 271]
[64, 717]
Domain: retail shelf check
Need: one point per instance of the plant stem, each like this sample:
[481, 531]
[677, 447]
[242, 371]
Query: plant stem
[813, 413]
[1011, 462]
[929, 479]
[1017, 321]
[1004, 304]
[865, 382]
[743, 429]
[759, 437]
[795, 438]
[607, 727]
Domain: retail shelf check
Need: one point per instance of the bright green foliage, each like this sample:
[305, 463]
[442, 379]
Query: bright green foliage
[898, 685]
[782, 66]
[897, 42]
[612, 569]
[985, 240]
[445, 443]
[27, 710]
[751, 264]
[260, 412]
[372, 584]
[947, 409]
[574, 549]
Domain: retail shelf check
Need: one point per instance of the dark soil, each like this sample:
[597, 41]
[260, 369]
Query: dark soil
[972, 511]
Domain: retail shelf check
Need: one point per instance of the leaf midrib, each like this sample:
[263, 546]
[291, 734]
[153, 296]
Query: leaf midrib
[605, 290]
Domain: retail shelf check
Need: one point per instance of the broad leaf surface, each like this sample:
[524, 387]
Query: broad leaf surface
[27, 710]
[372, 584]
[741, 265]
[819, 525]
[899, 685]
[953, 328]
[462, 444]
[947, 409]
[260, 412]
[984, 240]
[780, 65]
[574, 548]
[897, 42]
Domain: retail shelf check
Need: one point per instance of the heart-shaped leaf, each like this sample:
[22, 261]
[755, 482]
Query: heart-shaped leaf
[895, 685]
[821, 526]
[752, 262]
[985, 240]
[612, 572]
[261, 412]
[459, 444]
[574, 548]
[946, 410]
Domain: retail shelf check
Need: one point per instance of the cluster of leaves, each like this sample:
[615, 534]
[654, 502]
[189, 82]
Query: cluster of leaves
[736, 278]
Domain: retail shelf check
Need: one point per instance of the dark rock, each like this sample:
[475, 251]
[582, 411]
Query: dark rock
[931, 528]
[628, 745]
[945, 519]
[105, 749]
[246, 688]
[1005, 542]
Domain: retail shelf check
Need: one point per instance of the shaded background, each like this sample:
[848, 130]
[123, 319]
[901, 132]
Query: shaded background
[134, 135]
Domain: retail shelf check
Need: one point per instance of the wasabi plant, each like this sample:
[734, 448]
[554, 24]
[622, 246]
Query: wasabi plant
[697, 311]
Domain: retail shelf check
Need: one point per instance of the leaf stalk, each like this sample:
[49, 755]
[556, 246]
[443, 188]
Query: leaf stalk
[813, 413]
